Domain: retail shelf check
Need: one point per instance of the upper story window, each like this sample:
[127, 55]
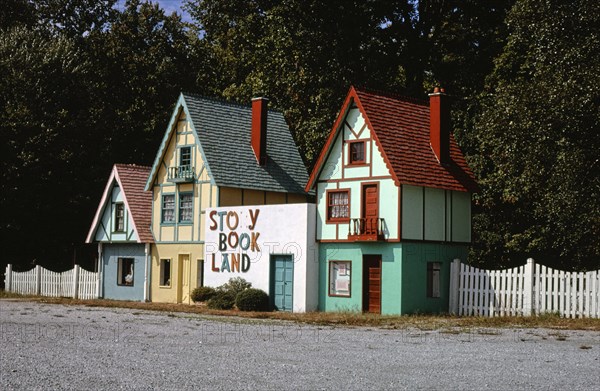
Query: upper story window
[185, 207]
[185, 156]
[168, 208]
[338, 205]
[119, 217]
[356, 152]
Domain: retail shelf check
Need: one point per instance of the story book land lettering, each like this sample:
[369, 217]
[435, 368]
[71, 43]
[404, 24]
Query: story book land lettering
[235, 239]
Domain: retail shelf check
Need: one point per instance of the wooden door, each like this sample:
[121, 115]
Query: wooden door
[370, 208]
[183, 277]
[372, 283]
[282, 282]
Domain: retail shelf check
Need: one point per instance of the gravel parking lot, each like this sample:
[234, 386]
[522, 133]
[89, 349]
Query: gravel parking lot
[73, 347]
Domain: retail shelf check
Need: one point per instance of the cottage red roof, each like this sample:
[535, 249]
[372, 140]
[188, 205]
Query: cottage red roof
[139, 202]
[401, 131]
[131, 179]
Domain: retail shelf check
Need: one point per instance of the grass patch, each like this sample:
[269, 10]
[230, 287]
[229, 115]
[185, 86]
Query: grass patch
[11, 295]
[445, 323]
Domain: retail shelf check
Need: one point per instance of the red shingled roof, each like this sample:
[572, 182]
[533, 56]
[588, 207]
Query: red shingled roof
[139, 202]
[401, 131]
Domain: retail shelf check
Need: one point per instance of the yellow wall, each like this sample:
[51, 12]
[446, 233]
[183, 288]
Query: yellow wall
[184, 272]
[204, 194]
[176, 241]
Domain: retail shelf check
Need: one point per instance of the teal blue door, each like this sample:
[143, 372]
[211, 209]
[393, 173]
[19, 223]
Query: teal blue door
[282, 282]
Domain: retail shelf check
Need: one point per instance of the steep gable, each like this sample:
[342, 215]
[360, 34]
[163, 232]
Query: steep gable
[130, 179]
[222, 131]
[401, 130]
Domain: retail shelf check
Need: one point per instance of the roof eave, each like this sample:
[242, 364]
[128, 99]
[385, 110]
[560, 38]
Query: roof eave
[327, 147]
[101, 206]
[351, 97]
[164, 142]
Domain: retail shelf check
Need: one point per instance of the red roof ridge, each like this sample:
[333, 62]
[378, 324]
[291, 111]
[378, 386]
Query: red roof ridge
[392, 95]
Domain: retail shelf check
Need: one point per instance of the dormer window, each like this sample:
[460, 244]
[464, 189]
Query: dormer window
[119, 217]
[185, 157]
[357, 152]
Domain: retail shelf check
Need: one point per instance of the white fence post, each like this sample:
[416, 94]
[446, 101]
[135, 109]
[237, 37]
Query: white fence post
[528, 277]
[38, 280]
[8, 278]
[454, 280]
[76, 282]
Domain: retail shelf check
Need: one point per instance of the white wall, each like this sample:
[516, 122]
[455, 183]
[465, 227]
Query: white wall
[278, 229]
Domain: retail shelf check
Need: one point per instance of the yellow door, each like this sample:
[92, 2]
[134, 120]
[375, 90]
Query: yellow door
[183, 278]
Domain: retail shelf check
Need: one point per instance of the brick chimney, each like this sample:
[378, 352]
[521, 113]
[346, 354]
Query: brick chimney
[439, 125]
[259, 129]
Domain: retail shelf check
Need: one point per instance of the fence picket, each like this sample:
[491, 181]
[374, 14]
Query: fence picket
[581, 293]
[486, 294]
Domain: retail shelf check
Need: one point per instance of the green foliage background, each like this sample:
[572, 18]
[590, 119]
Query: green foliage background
[85, 85]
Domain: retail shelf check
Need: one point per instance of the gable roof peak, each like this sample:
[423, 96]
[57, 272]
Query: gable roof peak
[401, 129]
[131, 179]
[223, 129]
[224, 101]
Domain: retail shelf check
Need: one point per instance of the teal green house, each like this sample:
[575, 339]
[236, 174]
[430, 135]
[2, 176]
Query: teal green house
[121, 228]
[393, 194]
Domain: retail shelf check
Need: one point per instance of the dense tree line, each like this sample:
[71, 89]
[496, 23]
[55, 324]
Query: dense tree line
[85, 85]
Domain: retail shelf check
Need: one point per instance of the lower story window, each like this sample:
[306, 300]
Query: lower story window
[125, 271]
[433, 279]
[339, 278]
[200, 265]
[165, 272]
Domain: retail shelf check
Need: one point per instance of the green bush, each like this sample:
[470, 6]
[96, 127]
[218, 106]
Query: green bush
[203, 293]
[222, 300]
[252, 300]
[235, 286]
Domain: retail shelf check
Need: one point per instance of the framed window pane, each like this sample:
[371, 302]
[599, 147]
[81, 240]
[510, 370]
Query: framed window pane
[338, 205]
[125, 271]
[200, 265]
[119, 217]
[168, 208]
[185, 207]
[185, 156]
[433, 279]
[357, 152]
[340, 278]
[165, 272]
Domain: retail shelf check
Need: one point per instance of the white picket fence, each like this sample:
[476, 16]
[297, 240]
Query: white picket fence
[530, 289]
[77, 282]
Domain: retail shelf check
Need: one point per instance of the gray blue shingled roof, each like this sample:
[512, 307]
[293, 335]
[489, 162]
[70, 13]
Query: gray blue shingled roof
[223, 129]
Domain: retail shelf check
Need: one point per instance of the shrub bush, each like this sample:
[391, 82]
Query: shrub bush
[235, 286]
[252, 300]
[222, 300]
[203, 293]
